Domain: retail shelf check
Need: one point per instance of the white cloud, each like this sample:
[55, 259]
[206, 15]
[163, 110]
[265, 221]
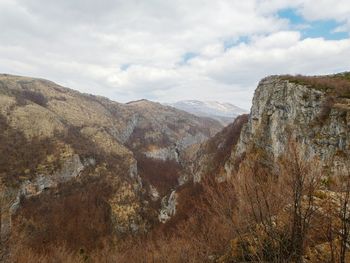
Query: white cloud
[311, 10]
[135, 49]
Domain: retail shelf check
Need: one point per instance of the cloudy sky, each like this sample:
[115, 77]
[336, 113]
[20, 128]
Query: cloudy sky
[172, 50]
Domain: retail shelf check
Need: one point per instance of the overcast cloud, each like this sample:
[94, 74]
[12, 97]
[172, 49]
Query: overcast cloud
[171, 50]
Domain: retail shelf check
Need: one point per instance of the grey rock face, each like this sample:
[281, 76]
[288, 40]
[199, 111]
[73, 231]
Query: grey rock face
[168, 208]
[7, 197]
[129, 129]
[174, 152]
[70, 169]
[189, 140]
[281, 108]
[133, 170]
[153, 193]
[133, 173]
[164, 154]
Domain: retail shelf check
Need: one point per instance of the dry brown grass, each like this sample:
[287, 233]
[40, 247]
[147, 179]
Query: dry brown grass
[57, 254]
[334, 85]
[336, 88]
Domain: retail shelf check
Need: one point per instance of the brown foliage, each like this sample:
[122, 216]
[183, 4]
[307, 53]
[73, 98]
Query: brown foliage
[161, 174]
[35, 97]
[76, 213]
[55, 254]
[222, 144]
[199, 232]
[138, 139]
[272, 217]
[326, 109]
[284, 215]
[334, 85]
[19, 156]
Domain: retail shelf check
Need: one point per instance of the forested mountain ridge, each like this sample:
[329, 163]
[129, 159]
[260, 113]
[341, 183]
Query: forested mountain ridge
[95, 166]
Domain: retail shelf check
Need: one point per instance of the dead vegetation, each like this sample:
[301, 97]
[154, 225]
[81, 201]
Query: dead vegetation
[333, 85]
[259, 216]
[19, 156]
[221, 144]
[78, 215]
[161, 174]
[214, 153]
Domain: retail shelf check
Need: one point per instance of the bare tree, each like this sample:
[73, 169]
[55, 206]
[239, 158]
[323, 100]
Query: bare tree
[344, 215]
[303, 178]
[278, 204]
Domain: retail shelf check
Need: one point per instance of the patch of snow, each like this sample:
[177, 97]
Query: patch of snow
[223, 112]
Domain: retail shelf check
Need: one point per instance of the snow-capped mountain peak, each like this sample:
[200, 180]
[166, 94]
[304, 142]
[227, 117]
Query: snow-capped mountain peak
[222, 111]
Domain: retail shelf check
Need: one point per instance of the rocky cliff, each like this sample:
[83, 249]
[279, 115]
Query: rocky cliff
[313, 111]
[318, 119]
[298, 127]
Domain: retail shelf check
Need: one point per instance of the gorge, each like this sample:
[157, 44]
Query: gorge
[145, 182]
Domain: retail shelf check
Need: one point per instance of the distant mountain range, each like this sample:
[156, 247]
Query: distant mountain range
[225, 112]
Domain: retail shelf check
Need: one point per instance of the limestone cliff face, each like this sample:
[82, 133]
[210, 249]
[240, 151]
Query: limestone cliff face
[315, 115]
[283, 109]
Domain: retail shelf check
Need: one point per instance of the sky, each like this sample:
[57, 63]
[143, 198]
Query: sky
[170, 50]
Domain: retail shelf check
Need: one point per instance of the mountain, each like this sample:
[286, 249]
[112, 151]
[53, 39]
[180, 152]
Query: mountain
[86, 178]
[81, 157]
[225, 113]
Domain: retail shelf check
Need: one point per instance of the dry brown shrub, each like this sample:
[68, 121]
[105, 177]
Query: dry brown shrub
[161, 174]
[35, 97]
[336, 85]
[19, 156]
[78, 215]
[54, 254]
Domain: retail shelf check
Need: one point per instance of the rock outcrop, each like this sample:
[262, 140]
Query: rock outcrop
[315, 116]
[168, 207]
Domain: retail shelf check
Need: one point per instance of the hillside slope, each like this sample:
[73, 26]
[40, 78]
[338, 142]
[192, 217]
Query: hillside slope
[96, 167]
[76, 157]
